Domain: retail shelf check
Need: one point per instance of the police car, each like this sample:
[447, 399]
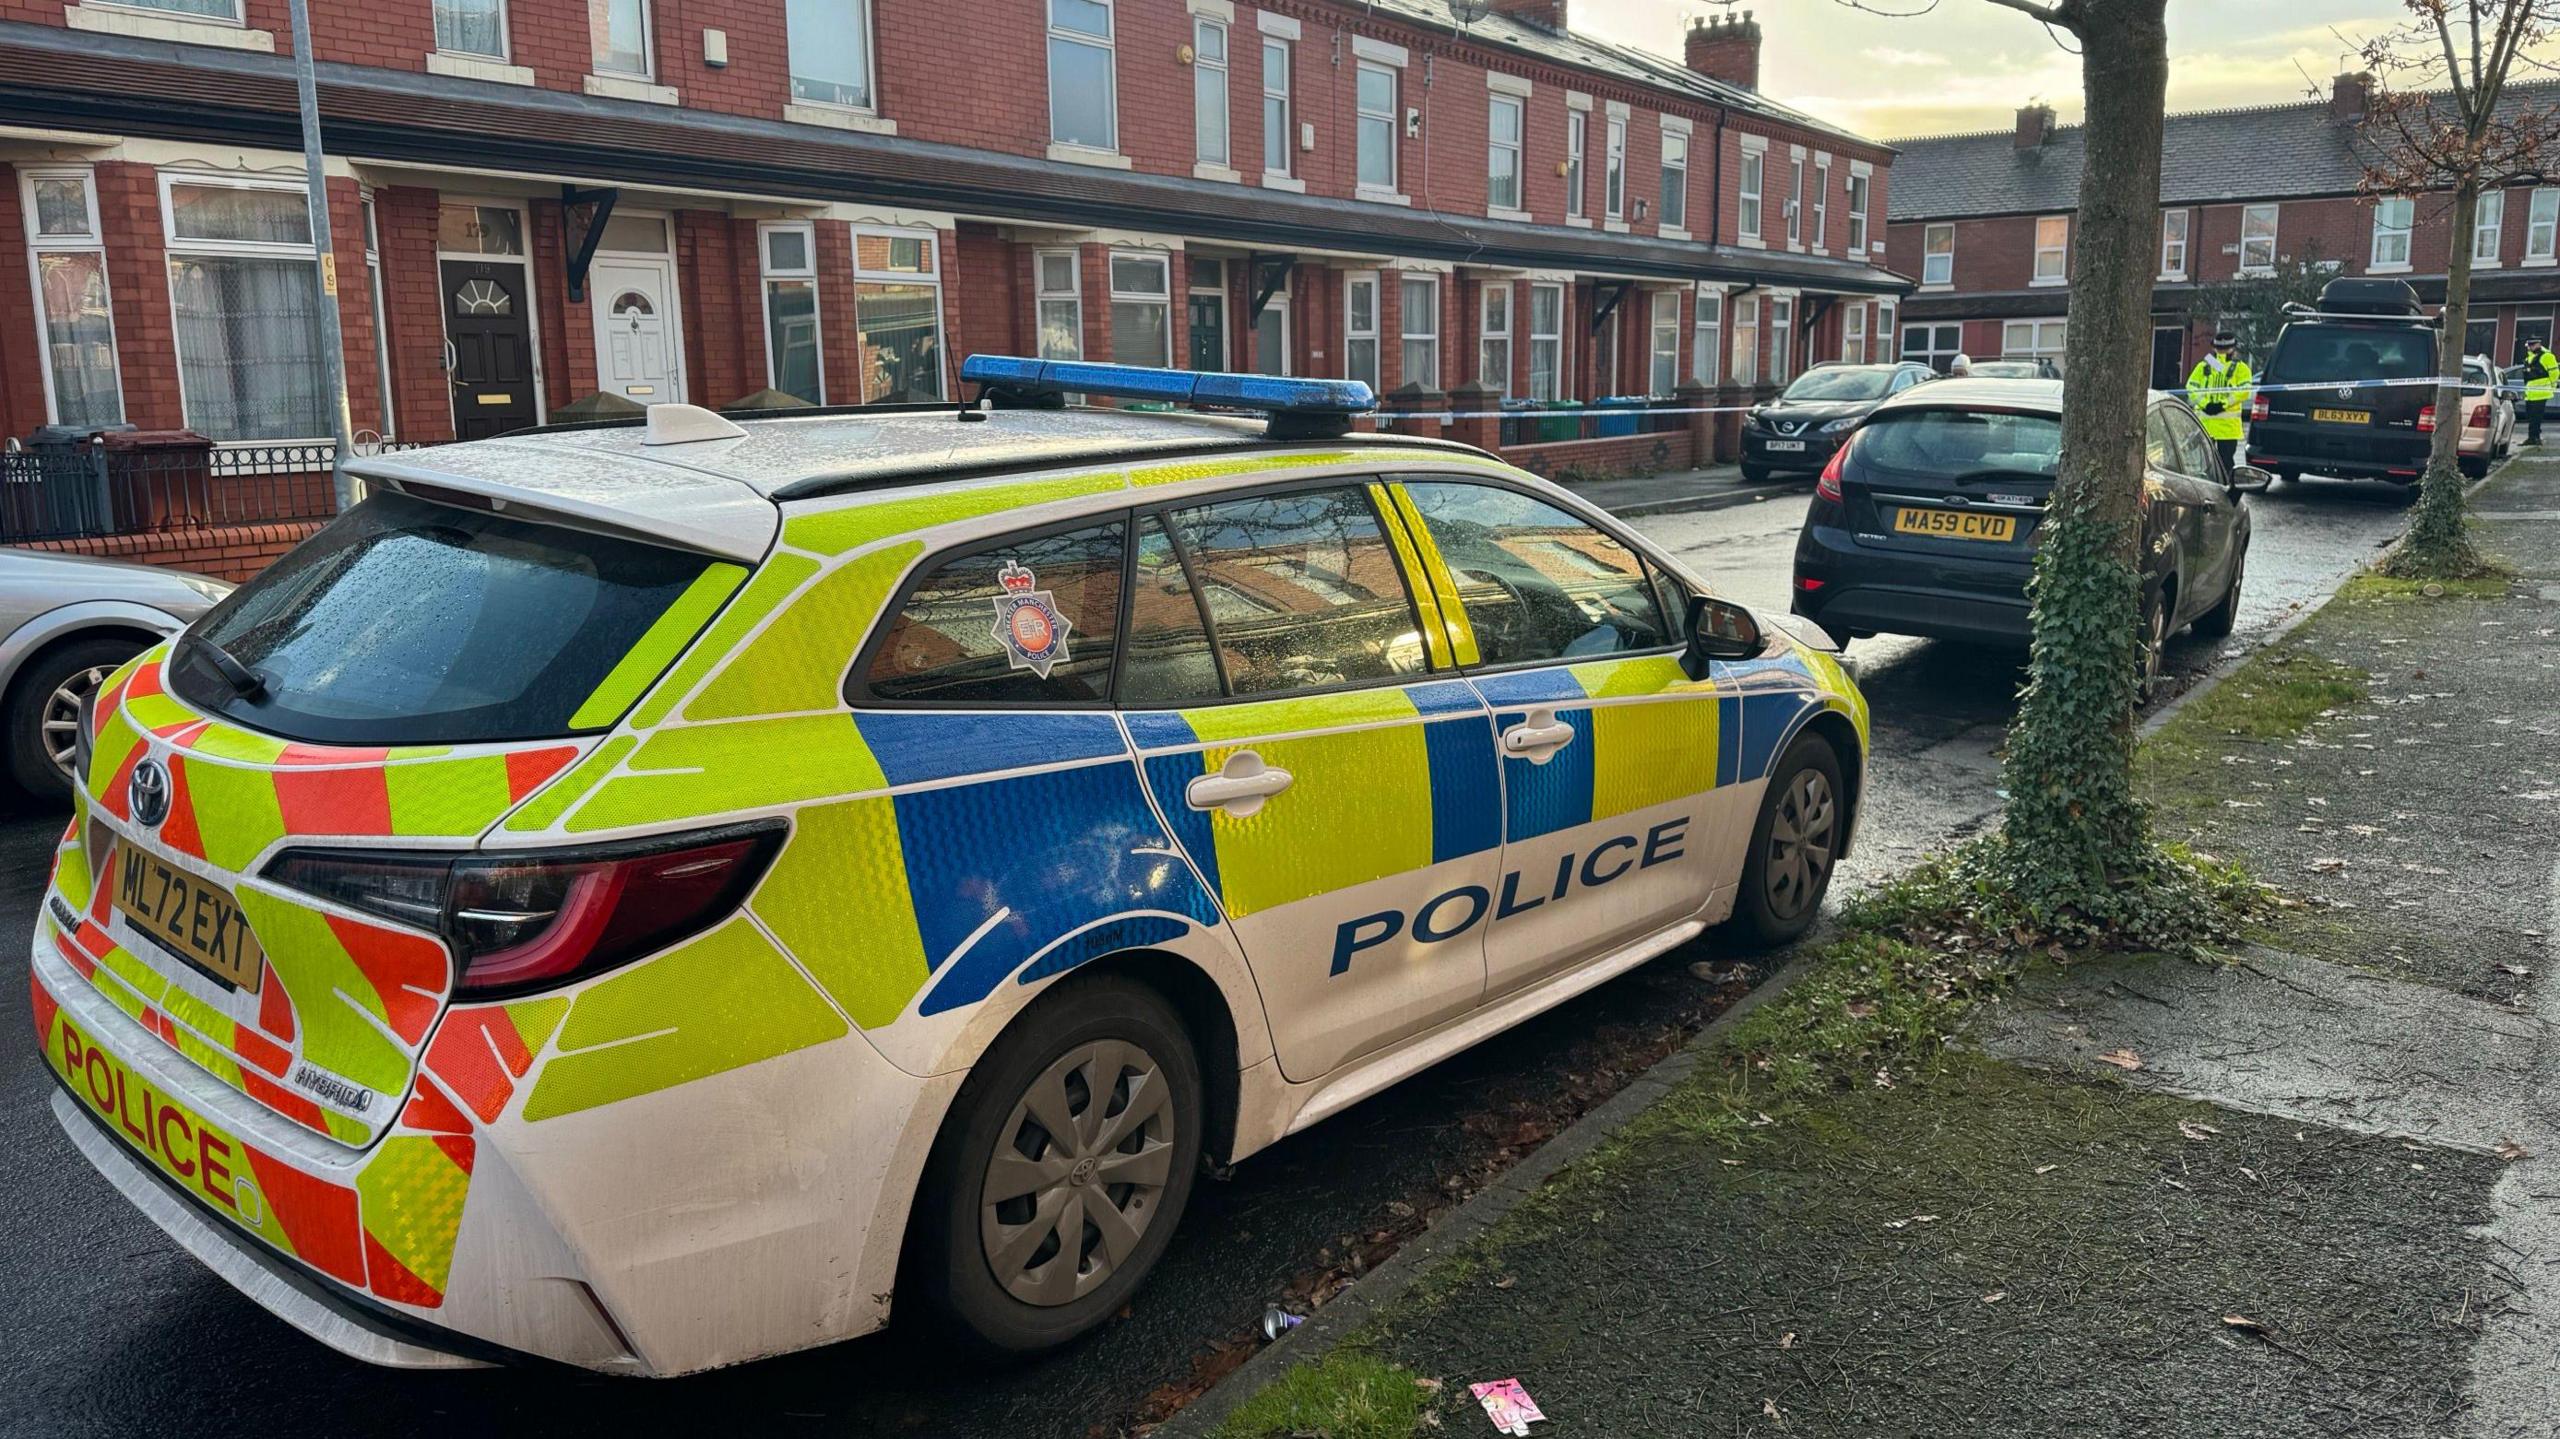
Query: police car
[657, 896]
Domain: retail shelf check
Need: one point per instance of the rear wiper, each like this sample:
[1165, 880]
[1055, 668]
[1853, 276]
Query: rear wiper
[243, 680]
[1971, 476]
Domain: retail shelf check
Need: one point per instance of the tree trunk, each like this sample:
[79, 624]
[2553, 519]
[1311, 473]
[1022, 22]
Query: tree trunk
[2073, 827]
[2438, 547]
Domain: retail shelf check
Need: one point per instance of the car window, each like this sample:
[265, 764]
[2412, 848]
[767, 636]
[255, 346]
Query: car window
[1958, 444]
[1028, 620]
[406, 622]
[2324, 354]
[1301, 591]
[1843, 383]
[2157, 450]
[1538, 583]
[1165, 656]
[2196, 456]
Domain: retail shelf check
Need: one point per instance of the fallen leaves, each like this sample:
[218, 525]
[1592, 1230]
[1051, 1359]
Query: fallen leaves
[2196, 1131]
[2510, 1151]
[1787, 1340]
[2324, 864]
[2124, 1059]
[1995, 1296]
[2243, 1323]
[2044, 1169]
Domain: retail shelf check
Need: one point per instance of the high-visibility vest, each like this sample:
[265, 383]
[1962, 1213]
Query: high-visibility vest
[2215, 379]
[2541, 375]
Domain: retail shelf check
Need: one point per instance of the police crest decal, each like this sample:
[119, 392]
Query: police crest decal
[1028, 625]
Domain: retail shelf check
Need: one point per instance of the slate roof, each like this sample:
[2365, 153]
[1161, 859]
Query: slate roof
[2266, 152]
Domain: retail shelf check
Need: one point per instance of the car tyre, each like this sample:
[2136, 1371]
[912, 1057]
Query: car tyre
[2151, 645]
[1795, 845]
[987, 1271]
[2219, 621]
[1754, 474]
[45, 698]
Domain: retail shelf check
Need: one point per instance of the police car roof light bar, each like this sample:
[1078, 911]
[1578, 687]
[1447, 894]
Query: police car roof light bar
[1297, 409]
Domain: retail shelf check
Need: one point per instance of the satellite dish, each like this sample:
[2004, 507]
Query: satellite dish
[1468, 12]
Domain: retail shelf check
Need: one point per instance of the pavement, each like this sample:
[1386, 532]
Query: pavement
[2312, 1190]
[110, 1329]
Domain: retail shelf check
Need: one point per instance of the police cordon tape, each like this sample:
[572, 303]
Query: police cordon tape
[2514, 387]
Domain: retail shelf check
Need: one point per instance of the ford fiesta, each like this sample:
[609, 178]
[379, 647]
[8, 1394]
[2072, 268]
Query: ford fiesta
[653, 897]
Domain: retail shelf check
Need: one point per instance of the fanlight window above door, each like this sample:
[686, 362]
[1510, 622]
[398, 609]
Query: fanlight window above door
[483, 297]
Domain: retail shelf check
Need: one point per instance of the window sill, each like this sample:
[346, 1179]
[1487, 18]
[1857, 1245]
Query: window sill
[2478, 265]
[631, 87]
[106, 20]
[2055, 282]
[1383, 197]
[1671, 232]
[1517, 217]
[2399, 269]
[1615, 227]
[839, 117]
[1087, 155]
[1751, 242]
[478, 67]
[1225, 174]
[2170, 277]
[1938, 289]
[2540, 262]
[1290, 183]
[1579, 222]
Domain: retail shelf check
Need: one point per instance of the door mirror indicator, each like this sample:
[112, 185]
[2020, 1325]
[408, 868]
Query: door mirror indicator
[2250, 480]
[1718, 630]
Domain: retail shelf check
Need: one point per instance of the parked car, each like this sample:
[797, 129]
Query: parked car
[1926, 522]
[659, 896]
[1799, 430]
[2013, 370]
[2488, 417]
[2353, 421]
[66, 621]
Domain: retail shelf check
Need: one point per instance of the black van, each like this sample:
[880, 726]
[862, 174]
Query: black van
[2365, 330]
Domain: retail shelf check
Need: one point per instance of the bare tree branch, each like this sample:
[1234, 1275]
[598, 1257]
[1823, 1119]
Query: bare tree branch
[2049, 14]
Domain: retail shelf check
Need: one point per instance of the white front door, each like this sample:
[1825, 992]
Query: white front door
[637, 355]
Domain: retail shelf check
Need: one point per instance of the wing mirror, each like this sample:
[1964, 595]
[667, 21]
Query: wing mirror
[1718, 630]
[2250, 480]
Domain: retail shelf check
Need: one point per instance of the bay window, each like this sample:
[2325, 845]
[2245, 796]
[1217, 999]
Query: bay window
[1546, 342]
[1664, 344]
[244, 288]
[1710, 335]
[897, 316]
[1853, 333]
[1493, 336]
[1418, 297]
[1141, 309]
[1360, 328]
[73, 311]
[791, 311]
[1061, 305]
[1782, 339]
[1746, 340]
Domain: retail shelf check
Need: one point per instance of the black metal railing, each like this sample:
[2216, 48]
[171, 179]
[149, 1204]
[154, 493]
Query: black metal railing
[92, 488]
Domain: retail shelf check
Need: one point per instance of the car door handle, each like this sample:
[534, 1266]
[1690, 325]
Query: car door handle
[1538, 738]
[1239, 787]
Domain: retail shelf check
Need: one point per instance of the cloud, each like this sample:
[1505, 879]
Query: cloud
[1888, 55]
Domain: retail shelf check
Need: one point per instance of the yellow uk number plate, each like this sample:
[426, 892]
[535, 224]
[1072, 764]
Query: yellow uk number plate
[197, 921]
[1954, 524]
[2343, 417]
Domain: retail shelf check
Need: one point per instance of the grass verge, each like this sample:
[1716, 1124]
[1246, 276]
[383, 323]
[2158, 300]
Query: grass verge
[1348, 1394]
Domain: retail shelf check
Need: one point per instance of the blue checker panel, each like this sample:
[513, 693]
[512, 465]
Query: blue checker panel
[1447, 698]
[1766, 718]
[1051, 853]
[1170, 777]
[1554, 685]
[1131, 932]
[1543, 798]
[1466, 792]
[1729, 740]
[1160, 729]
[918, 746]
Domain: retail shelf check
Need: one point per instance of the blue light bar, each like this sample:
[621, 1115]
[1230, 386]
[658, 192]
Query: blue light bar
[1270, 394]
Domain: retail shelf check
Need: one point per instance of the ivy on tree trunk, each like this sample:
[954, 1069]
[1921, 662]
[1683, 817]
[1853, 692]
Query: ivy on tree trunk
[2438, 545]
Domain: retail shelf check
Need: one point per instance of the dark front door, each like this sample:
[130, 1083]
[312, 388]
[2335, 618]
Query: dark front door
[488, 347]
[2168, 358]
[1208, 331]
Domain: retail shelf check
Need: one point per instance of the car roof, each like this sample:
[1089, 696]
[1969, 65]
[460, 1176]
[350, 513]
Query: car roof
[1989, 393]
[722, 495]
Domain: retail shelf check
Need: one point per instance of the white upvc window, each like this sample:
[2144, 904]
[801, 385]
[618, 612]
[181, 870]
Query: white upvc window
[2033, 340]
[1821, 202]
[1614, 183]
[1278, 130]
[830, 44]
[244, 292]
[1546, 342]
[2488, 229]
[2257, 239]
[1418, 320]
[1141, 308]
[2053, 249]
[1084, 104]
[1663, 344]
[621, 37]
[2173, 243]
[1378, 126]
[1707, 342]
[472, 27]
[1502, 152]
[1577, 139]
[1938, 255]
[1271, 336]
[1853, 333]
[218, 11]
[75, 316]
[1674, 213]
[1493, 336]
[792, 361]
[897, 315]
[2393, 218]
[2542, 226]
[1782, 339]
[1060, 300]
[1746, 340]
[1755, 164]
[1860, 187]
[1209, 89]
[1360, 327]
[1795, 202]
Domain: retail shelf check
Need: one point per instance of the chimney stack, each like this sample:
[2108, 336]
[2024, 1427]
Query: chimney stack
[1547, 15]
[1726, 49]
[2349, 96]
[2035, 125]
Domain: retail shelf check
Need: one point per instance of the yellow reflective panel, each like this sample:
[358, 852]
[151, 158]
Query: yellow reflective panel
[1300, 712]
[236, 812]
[1184, 471]
[833, 532]
[658, 647]
[700, 770]
[547, 804]
[774, 583]
[1435, 637]
[799, 662]
[448, 797]
[1444, 586]
[1332, 830]
[412, 1193]
[1654, 750]
[838, 900]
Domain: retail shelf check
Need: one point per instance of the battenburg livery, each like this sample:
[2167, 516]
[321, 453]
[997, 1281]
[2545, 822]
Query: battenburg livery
[655, 896]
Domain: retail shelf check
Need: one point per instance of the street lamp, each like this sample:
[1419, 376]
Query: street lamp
[333, 360]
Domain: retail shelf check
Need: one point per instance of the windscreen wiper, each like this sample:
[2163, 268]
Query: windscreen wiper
[243, 680]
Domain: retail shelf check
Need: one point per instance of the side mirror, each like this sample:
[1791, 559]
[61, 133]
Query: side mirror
[1718, 630]
[2250, 480]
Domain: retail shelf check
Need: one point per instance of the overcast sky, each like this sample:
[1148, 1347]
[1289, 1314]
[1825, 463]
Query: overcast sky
[1968, 65]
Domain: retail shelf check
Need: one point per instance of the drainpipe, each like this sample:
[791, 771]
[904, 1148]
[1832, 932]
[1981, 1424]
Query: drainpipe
[1715, 191]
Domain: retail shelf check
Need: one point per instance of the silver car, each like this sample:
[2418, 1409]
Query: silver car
[66, 622]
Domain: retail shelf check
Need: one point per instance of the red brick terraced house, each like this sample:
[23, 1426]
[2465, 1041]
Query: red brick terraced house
[535, 202]
[1985, 223]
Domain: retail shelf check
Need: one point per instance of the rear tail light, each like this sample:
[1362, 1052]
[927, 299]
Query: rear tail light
[1828, 487]
[2479, 415]
[2426, 419]
[2257, 407]
[521, 921]
[1809, 584]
